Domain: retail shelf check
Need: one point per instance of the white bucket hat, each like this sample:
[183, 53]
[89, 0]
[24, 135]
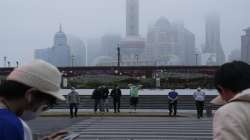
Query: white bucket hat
[218, 101]
[40, 75]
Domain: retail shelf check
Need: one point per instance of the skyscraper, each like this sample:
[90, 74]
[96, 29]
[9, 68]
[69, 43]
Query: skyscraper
[132, 18]
[170, 44]
[77, 51]
[132, 46]
[213, 42]
[59, 53]
[245, 46]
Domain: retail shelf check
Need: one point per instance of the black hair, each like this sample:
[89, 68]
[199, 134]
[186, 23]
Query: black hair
[38, 95]
[234, 76]
[12, 90]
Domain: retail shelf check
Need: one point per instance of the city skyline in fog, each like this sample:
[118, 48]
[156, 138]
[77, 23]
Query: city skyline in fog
[31, 24]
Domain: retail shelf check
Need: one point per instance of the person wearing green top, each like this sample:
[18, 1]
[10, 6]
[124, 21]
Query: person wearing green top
[134, 95]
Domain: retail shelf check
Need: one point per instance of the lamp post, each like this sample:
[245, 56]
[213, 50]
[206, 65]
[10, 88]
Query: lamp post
[8, 63]
[118, 56]
[137, 59]
[17, 64]
[196, 58]
[5, 61]
[72, 60]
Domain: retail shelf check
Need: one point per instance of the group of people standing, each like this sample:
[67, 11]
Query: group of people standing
[101, 96]
[199, 97]
[102, 101]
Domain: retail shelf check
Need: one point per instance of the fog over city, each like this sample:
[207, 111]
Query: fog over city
[26, 25]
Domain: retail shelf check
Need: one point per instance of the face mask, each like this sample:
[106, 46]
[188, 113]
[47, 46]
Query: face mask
[31, 115]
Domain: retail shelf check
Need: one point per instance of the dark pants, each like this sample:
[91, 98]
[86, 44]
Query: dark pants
[73, 106]
[97, 105]
[199, 108]
[171, 106]
[116, 104]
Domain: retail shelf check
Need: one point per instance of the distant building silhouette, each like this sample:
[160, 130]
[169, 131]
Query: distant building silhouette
[132, 46]
[234, 55]
[245, 46]
[59, 53]
[213, 42]
[77, 51]
[110, 42]
[94, 50]
[171, 44]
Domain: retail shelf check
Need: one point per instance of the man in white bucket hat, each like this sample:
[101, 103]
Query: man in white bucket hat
[28, 91]
[231, 121]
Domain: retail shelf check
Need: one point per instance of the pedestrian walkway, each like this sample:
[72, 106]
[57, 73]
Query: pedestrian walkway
[123, 113]
[143, 128]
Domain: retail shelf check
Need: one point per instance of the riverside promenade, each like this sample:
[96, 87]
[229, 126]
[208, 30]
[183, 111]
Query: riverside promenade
[149, 122]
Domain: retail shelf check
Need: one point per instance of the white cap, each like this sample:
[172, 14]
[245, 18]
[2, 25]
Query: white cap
[40, 75]
[218, 101]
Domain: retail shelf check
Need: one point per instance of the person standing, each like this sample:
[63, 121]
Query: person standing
[116, 95]
[73, 100]
[134, 95]
[28, 91]
[199, 97]
[97, 96]
[172, 102]
[105, 95]
[231, 121]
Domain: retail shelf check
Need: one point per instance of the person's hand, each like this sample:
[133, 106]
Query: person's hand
[57, 135]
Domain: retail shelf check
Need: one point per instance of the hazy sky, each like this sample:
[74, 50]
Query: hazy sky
[26, 25]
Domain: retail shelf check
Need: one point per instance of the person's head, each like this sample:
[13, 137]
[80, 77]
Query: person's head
[199, 89]
[32, 88]
[73, 88]
[232, 78]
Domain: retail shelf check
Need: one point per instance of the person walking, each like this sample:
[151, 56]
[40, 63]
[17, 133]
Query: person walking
[134, 96]
[231, 121]
[28, 90]
[172, 102]
[116, 95]
[73, 100]
[199, 97]
[96, 95]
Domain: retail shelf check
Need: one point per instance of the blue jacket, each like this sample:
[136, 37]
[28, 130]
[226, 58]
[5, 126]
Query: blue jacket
[11, 127]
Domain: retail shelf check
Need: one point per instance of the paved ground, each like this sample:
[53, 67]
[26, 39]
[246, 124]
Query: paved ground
[45, 125]
[130, 128]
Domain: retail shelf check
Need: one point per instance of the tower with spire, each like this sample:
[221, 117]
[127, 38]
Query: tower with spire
[132, 46]
[59, 53]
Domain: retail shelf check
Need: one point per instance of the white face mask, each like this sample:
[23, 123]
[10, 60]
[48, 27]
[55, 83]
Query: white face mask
[31, 115]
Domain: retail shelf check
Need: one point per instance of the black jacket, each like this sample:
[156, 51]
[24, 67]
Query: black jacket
[97, 94]
[116, 93]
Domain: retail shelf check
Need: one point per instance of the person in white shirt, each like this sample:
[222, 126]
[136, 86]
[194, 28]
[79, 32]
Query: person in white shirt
[199, 97]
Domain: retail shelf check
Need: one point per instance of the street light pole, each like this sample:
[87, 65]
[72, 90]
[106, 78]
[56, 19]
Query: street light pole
[5, 61]
[8, 63]
[118, 56]
[196, 58]
[137, 59]
[72, 59]
[17, 64]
